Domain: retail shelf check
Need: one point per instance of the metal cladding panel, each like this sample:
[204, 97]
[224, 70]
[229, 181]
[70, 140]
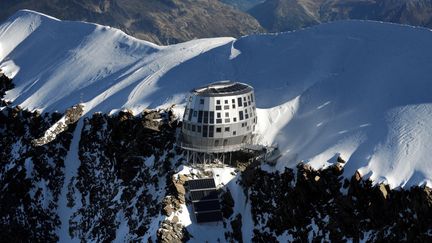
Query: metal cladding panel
[206, 206]
[201, 184]
[208, 217]
[204, 195]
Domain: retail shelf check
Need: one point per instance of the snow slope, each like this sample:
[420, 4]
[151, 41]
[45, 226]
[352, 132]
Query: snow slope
[355, 88]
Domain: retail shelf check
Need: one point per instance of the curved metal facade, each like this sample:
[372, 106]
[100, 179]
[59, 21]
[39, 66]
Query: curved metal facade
[220, 117]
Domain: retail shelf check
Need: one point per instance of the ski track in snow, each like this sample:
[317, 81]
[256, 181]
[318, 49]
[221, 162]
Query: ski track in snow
[360, 89]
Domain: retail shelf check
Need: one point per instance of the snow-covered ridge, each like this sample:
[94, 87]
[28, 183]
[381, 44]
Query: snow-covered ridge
[358, 88]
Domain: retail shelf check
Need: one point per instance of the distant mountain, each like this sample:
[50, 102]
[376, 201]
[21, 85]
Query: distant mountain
[282, 15]
[159, 21]
[243, 4]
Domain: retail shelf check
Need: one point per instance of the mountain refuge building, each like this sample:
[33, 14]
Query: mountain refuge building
[219, 118]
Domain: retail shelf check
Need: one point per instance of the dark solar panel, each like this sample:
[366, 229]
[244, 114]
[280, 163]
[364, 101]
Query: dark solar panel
[204, 195]
[205, 200]
[208, 217]
[201, 184]
[206, 206]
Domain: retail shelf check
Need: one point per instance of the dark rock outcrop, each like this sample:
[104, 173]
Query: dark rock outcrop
[31, 177]
[312, 203]
[5, 85]
[172, 232]
[123, 162]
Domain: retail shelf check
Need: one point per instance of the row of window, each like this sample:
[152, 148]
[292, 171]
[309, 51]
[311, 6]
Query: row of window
[243, 101]
[208, 131]
[207, 117]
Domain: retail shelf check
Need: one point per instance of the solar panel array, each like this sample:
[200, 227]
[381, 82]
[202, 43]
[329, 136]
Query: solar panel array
[205, 200]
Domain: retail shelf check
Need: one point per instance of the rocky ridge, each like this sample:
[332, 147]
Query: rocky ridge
[321, 205]
[31, 177]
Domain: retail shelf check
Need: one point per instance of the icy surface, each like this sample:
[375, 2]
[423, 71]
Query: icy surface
[355, 88]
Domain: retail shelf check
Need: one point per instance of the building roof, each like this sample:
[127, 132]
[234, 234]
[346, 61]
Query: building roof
[223, 88]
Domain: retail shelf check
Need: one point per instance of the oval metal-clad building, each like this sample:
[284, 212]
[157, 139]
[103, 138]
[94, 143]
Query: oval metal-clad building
[219, 118]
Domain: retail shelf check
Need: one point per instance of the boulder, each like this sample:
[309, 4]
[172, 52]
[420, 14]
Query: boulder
[383, 190]
[340, 160]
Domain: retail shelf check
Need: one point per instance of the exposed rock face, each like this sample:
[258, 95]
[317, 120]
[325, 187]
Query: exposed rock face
[161, 22]
[31, 177]
[236, 234]
[120, 176]
[5, 85]
[227, 204]
[175, 195]
[311, 206]
[172, 232]
[71, 116]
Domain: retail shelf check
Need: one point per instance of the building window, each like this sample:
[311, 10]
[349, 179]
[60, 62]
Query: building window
[234, 133]
[234, 119]
[190, 114]
[204, 131]
[239, 101]
[216, 142]
[225, 142]
[218, 129]
[233, 101]
[240, 115]
[233, 106]
[227, 129]
[246, 116]
[226, 114]
[206, 115]
[245, 104]
[218, 107]
[199, 129]
[211, 131]
[200, 115]
[202, 101]
[226, 101]
[189, 126]
[211, 117]
[252, 97]
[218, 121]
[193, 128]
[249, 102]
[195, 113]
[218, 102]
[226, 107]
[218, 115]
[244, 98]
[227, 120]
